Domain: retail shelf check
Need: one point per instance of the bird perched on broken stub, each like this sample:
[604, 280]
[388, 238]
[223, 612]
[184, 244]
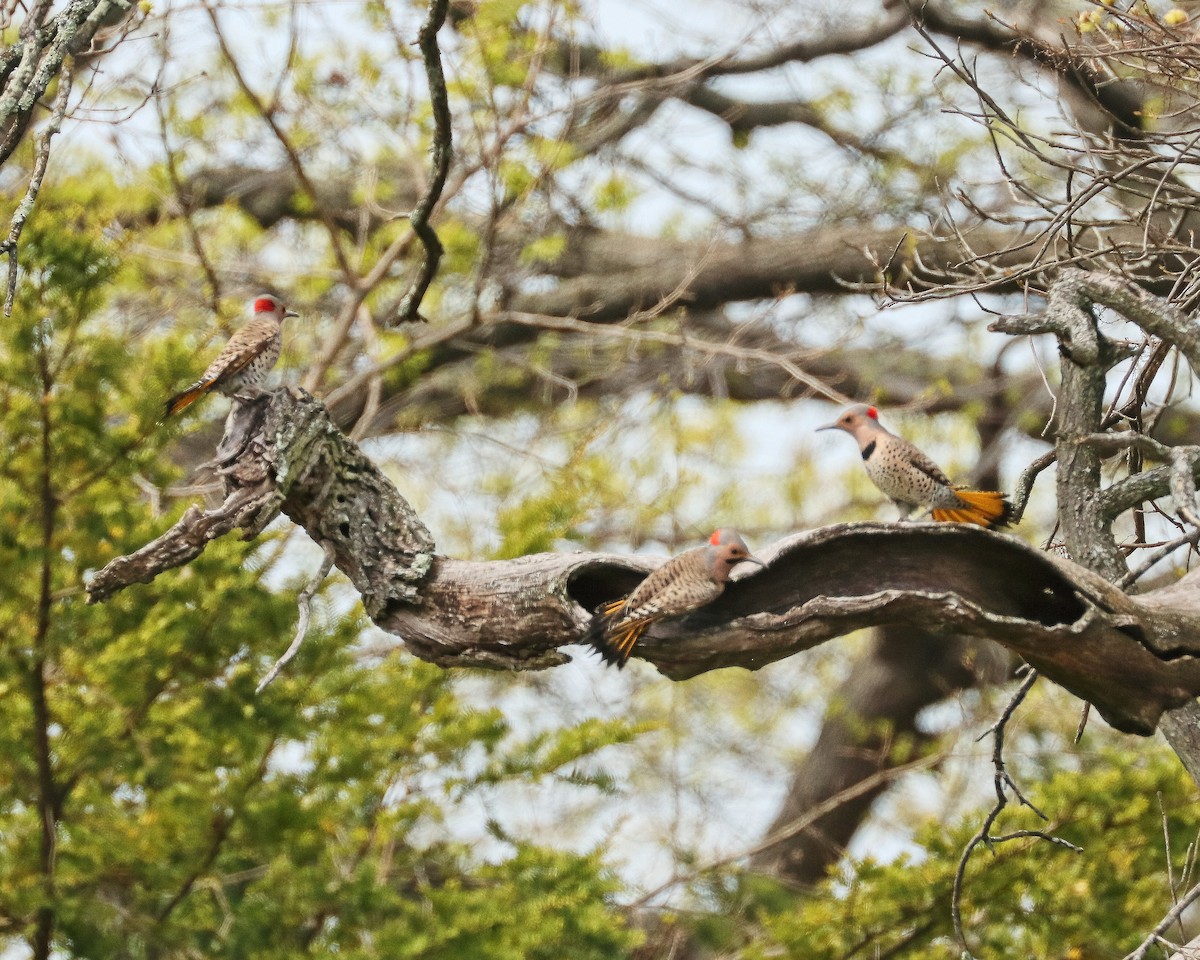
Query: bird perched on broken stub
[899, 469]
[240, 369]
[685, 583]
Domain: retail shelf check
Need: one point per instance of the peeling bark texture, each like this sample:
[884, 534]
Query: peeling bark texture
[1131, 657]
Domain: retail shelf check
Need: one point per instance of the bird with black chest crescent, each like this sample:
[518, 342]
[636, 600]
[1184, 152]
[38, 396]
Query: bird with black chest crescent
[912, 481]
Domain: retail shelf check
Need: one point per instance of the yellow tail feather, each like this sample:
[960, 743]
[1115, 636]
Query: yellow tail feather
[614, 642]
[624, 645]
[987, 508]
[181, 401]
[609, 609]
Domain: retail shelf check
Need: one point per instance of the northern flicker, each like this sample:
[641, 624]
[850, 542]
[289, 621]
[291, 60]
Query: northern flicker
[246, 360]
[911, 479]
[683, 584]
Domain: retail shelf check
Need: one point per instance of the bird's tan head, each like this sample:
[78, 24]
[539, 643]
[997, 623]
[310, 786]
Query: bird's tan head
[860, 420]
[726, 549]
[267, 303]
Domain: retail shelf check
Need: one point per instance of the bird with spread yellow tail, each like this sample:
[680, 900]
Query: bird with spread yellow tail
[899, 469]
[685, 583]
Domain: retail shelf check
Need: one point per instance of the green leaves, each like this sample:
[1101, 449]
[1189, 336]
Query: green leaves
[1027, 897]
[189, 816]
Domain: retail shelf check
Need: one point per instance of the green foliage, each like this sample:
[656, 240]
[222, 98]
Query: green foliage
[1028, 898]
[189, 816]
[614, 194]
[544, 249]
[548, 752]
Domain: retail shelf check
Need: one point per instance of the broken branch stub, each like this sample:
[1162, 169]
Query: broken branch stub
[282, 454]
[1132, 657]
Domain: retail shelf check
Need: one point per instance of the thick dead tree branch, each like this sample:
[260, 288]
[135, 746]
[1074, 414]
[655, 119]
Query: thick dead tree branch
[1085, 512]
[282, 454]
[1131, 657]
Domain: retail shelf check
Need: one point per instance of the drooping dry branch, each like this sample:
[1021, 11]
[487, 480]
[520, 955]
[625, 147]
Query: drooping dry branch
[1006, 792]
[1131, 657]
[304, 606]
[431, 54]
[42, 56]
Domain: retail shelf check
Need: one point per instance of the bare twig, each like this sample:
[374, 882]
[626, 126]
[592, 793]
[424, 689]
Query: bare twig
[304, 605]
[1172, 883]
[1003, 783]
[410, 303]
[189, 219]
[707, 347]
[1191, 538]
[1172, 916]
[1083, 720]
[799, 825]
[267, 111]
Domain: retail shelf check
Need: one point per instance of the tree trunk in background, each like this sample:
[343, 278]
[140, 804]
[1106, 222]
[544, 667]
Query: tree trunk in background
[871, 715]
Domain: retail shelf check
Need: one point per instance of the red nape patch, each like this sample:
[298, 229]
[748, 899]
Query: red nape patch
[264, 305]
[872, 413]
[715, 539]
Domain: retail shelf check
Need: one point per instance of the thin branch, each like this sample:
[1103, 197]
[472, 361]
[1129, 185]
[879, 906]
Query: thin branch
[267, 113]
[1191, 538]
[799, 825]
[185, 203]
[1172, 882]
[1003, 783]
[410, 303]
[707, 347]
[304, 605]
[25, 207]
[1172, 916]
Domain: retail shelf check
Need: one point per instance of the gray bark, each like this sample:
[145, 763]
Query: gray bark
[1132, 657]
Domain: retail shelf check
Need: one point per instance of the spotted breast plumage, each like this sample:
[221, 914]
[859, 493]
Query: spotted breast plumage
[903, 473]
[248, 357]
[685, 583]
